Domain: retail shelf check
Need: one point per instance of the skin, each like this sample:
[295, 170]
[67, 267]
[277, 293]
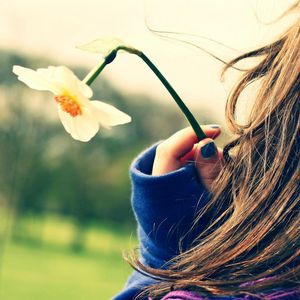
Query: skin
[183, 147]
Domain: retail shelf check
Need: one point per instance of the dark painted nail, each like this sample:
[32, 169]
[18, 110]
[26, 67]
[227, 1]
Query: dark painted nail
[208, 150]
[214, 126]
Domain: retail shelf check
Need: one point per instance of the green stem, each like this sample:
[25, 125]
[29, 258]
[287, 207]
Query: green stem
[91, 76]
[189, 116]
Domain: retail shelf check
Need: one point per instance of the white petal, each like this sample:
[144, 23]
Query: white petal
[108, 115]
[38, 80]
[73, 85]
[82, 127]
[48, 73]
[102, 45]
[85, 89]
[66, 119]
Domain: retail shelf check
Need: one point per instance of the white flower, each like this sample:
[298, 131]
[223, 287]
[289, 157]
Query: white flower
[80, 117]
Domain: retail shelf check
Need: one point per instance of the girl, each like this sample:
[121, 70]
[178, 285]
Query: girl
[225, 224]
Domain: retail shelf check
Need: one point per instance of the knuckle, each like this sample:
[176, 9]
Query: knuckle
[162, 149]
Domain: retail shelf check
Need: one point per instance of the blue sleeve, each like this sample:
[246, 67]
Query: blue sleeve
[164, 207]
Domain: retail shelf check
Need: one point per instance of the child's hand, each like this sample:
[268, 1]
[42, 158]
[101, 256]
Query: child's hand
[183, 147]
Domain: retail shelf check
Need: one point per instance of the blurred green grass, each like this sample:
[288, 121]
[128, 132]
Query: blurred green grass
[48, 269]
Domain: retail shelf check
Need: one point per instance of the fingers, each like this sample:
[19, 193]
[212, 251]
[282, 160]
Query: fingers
[211, 131]
[184, 140]
[176, 150]
[208, 161]
[179, 143]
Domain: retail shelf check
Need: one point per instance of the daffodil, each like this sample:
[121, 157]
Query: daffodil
[80, 116]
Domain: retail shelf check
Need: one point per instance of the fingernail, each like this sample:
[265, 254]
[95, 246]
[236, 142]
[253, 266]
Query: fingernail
[214, 126]
[208, 150]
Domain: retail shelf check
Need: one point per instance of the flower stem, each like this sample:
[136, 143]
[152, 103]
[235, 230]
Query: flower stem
[189, 116]
[91, 76]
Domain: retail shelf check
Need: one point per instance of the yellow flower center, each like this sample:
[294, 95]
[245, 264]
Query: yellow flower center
[69, 105]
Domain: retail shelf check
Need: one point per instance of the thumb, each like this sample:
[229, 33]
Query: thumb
[208, 161]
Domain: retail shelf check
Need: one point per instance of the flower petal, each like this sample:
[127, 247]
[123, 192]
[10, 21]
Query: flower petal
[71, 83]
[108, 115]
[38, 80]
[66, 119]
[85, 89]
[82, 127]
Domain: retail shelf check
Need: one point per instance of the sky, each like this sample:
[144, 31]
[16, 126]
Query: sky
[53, 29]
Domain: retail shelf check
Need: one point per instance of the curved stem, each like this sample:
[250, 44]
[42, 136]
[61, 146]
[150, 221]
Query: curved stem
[93, 74]
[189, 116]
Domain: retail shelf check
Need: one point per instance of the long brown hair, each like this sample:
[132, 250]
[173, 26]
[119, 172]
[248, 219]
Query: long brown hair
[255, 209]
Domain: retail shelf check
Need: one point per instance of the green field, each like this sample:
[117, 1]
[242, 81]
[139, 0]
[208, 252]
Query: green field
[50, 270]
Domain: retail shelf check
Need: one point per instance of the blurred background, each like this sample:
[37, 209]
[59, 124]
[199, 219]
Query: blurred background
[65, 214]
